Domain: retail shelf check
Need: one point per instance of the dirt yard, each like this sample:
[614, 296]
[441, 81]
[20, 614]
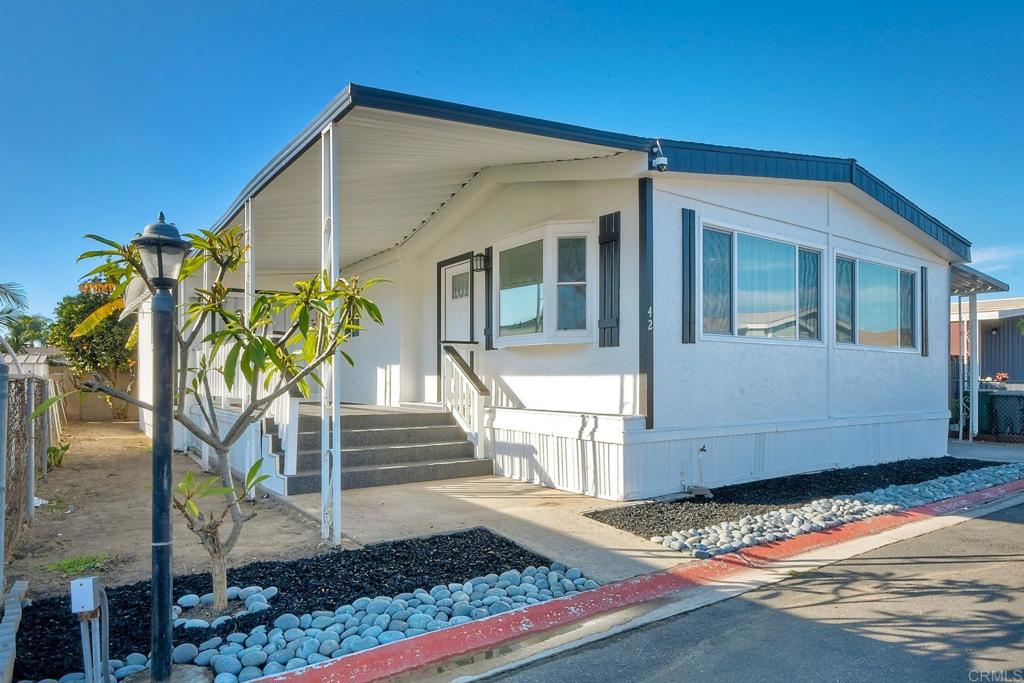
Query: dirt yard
[99, 504]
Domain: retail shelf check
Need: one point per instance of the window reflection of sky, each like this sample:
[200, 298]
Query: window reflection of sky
[766, 288]
[521, 289]
[878, 304]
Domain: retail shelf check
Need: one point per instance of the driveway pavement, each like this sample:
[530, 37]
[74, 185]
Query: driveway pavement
[946, 606]
[985, 450]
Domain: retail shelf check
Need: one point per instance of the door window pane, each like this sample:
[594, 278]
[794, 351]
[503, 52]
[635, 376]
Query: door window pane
[572, 283]
[766, 288]
[521, 290]
[877, 305]
[460, 285]
[717, 297]
[845, 279]
[810, 295]
[907, 316]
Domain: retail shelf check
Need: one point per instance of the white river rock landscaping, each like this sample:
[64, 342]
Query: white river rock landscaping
[827, 513]
[293, 641]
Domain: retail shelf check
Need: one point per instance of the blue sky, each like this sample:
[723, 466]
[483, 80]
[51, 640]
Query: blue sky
[111, 112]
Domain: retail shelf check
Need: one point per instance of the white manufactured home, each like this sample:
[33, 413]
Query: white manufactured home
[618, 316]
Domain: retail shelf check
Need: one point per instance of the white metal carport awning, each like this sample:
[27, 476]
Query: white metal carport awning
[401, 159]
[964, 281]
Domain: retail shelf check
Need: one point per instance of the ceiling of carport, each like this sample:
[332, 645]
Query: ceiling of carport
[395, 171]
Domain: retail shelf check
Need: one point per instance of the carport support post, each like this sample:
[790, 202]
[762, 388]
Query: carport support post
[975, 353]
[962, 365]
[330, 261]
[205, 447]
[249, 273]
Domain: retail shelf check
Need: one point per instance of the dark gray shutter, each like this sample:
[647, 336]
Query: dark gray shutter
[609, 229]
[689, 276]
[489, 299]
[924, 310]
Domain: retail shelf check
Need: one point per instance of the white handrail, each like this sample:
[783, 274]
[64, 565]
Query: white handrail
[465, 395]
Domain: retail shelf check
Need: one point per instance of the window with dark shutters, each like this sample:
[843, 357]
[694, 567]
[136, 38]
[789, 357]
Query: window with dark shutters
[609, 230]
[689, 265]
[924, 310]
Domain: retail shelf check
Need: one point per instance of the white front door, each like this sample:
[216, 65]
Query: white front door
[456, 303]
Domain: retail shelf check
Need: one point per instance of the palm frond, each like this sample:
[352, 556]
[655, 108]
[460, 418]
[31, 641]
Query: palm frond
[13, 295]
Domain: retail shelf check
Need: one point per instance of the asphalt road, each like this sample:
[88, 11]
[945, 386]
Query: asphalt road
[947, 606]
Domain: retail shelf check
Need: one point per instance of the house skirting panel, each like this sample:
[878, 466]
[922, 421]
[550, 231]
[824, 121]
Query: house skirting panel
[568, 451]
[664, 461]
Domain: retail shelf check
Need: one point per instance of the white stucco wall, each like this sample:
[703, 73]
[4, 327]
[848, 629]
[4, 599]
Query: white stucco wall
[377, 350]
[573, 377]
[726, 409]
[729, 409]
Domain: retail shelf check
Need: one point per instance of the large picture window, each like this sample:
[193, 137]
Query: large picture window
[760, 288]
[875, 304]
[521, 290]
[545, 288]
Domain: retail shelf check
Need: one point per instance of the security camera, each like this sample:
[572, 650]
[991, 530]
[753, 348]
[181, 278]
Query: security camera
[660, 161]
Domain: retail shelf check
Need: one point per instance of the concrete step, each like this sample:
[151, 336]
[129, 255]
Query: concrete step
[311, 423]
[388, 436]
[309, 460]
[398, 473]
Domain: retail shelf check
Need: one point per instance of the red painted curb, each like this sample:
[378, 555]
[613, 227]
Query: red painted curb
[390, 660]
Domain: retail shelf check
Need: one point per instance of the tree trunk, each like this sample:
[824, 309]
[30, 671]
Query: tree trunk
[219, 573]
[218, 548]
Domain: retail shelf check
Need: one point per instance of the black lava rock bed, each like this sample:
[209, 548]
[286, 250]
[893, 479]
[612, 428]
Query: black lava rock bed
[49, 641]
[731, 503]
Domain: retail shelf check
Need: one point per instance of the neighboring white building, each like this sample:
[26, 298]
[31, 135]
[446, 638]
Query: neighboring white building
[600, 325]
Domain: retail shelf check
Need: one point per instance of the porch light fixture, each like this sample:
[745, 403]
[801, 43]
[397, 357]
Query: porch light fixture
[995, 331]
[162, 251]
[480, 263]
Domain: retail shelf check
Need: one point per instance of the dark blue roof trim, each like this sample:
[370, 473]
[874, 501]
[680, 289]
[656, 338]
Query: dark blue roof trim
[905, 208]
[685, 157]
[375, 98]
[690, 157]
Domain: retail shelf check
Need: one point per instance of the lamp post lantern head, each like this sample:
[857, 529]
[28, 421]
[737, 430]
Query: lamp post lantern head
[162, 251]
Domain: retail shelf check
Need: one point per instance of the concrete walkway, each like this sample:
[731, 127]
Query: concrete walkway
[984, 450]
[544, 520]
[941, 607]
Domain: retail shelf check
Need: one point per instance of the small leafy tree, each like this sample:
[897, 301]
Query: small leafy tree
[95, 345]
[322, 314]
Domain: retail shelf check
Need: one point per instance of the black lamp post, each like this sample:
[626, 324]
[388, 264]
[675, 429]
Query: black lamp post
[162, 251]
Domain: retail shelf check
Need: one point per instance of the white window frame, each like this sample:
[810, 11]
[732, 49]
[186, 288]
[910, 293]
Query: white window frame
[549, 232]
[733, 336]
[899, 268]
